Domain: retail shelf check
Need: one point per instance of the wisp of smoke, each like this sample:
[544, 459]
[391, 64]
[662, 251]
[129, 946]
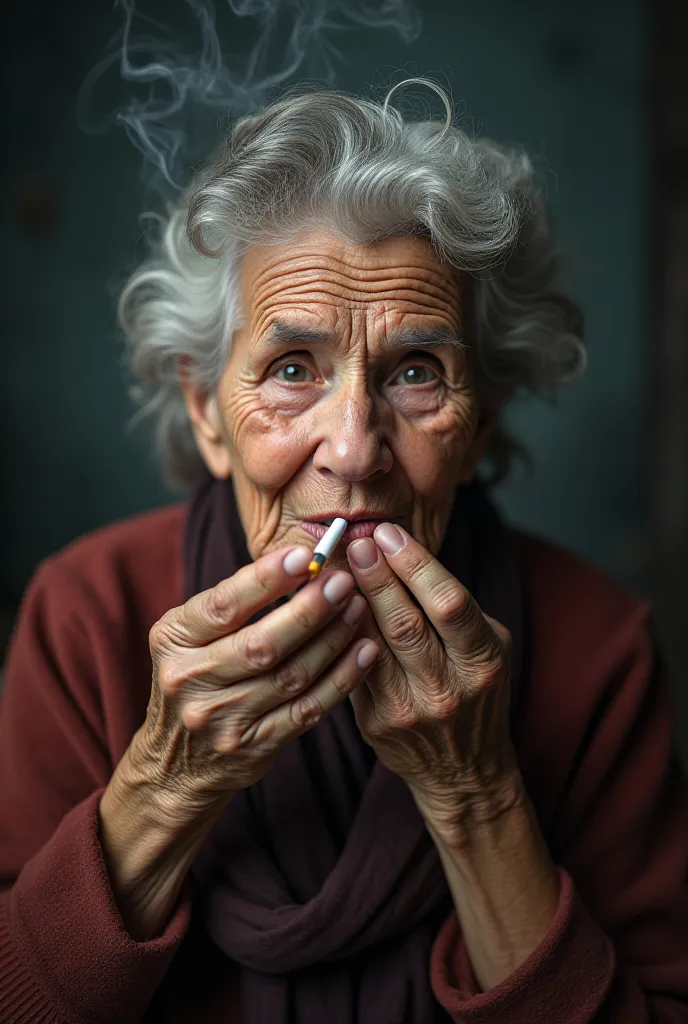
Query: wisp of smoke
[291, 37]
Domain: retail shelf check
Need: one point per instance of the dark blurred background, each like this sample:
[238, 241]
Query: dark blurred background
[595, 90]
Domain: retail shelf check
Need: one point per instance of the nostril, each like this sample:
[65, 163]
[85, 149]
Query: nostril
[353, 457]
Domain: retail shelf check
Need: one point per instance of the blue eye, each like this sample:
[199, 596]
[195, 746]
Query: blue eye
[415, 375]
[294, 373]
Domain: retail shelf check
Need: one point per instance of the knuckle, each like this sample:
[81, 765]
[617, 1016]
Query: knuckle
[378, 587]
[195, 717]
[221, 604]
[488, 675]
[452, 604]
[404, 716]
[306, 712]
[159, 634]
[344, 679]
[170, 678]
[227, 741]
[305, 619]
[290, 677]
[406, 628]
[485, 670]
[262, 735]
[444, 707]
[257, 650]
[417, 565]
[263, 577]
[335, 639]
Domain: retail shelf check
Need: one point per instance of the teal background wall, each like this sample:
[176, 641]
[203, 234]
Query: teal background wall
[567, 79]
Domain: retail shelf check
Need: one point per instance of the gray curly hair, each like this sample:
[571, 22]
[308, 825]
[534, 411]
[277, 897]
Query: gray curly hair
[360, 170]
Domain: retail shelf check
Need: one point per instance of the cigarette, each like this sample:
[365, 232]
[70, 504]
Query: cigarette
[326, 546]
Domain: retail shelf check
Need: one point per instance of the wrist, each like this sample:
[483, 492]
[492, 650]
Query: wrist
[453, 812]
[504, 884]
[151, 828]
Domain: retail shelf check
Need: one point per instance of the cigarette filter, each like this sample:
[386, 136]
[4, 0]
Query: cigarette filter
[326, 546]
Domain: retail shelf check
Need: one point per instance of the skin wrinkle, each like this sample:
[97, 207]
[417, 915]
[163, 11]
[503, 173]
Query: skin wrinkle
[363, 278]
[357, 434]
[311, 269]
[333, 297]
[281, 333]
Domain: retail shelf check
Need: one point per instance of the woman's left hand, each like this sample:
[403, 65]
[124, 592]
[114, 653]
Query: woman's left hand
[435, 706]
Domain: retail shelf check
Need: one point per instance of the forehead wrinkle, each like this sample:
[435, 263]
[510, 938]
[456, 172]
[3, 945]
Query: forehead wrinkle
[442, 286]
[365, 267]
[413, 336]
[334, 296]
[399, 307]
[258, 326]
[298, 282]
[401, 300]
[314, 260]
[350, 290]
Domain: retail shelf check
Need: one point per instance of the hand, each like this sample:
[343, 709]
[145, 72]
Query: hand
[435, 707]
[226, 696]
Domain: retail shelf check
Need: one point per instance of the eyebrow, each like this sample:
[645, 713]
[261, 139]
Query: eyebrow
[281, 333]
[423, 337]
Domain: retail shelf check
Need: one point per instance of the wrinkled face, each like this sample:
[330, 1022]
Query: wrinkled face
[348, 392]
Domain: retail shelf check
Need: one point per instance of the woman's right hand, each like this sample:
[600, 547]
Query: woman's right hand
[225, 697]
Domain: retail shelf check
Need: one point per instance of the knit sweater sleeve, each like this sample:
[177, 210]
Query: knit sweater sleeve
[617, 950]
[65, 955]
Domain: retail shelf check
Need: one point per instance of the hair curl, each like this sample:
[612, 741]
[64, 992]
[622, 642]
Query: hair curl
[360, 170]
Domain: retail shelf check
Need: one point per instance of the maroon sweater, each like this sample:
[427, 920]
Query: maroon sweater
[594, 740]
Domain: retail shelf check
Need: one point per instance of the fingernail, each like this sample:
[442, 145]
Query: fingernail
[354, 610]
[297, 561]
[337, 587]
[389, 539]
[367, 654]
[363, 553]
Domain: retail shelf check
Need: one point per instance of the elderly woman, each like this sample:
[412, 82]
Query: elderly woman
[435, 783]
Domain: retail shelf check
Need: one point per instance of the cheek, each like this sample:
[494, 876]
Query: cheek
[269, 445]
[432, 451]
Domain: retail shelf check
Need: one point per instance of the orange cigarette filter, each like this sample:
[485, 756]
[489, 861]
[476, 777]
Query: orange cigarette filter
[326, 546]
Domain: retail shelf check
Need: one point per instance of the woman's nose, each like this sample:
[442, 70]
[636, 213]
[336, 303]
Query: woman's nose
[353, 446]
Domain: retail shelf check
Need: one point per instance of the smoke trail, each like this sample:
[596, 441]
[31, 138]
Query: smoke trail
[181, 89]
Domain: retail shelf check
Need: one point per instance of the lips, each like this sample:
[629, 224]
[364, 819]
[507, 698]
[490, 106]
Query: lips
[356, 529]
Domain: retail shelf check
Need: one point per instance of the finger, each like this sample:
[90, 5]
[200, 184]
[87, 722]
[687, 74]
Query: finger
[401, 621]
[248, 700]
[262, 646]
[301, 671]
[289, 720]
[387, 684]
[227, 606]
[449, 606]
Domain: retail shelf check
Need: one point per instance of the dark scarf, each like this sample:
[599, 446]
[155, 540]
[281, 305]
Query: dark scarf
[321, 880]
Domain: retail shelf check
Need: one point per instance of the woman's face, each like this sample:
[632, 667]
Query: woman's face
[348, 393]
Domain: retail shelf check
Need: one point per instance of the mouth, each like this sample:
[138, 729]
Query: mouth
[361, 524]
